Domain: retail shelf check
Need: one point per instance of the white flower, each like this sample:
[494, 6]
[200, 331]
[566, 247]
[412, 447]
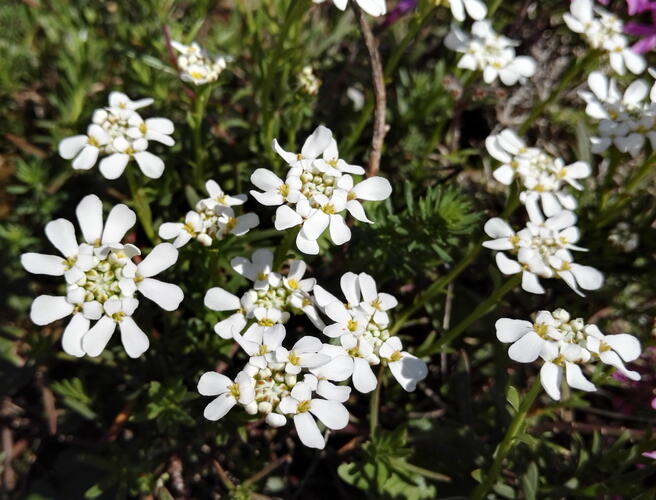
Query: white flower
[361, 324]
[566, 346]
[303, 406]
[317, 190]
[604, 31]
[476, 9]
[304, 354]
[491, 53]
[542, 249]
[228, 393]
[371, 7]
[120, 134]
[541, 175]
[270, 302]
[212, 220]
[101, 280]
[196, 66]
[406, 368]
[625, 120]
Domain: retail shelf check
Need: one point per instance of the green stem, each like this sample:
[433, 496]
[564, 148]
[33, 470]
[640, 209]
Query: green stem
[577, 67]
[481, 310]
[508, 441]
[140, 204]
[374, 404]
[200, 103]
[435, 476]
[282, 249]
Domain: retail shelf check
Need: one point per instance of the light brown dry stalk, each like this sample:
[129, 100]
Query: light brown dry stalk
[378, 77]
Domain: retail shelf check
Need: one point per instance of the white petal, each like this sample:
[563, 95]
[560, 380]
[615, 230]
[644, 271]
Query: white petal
[627, 346]
[72, 337]
[160, 258]
[308, 431]
[86, 159]
[286, 217]
[61, 234]
[112, 166]
[510, 330]
[527, 348]
[89, 214]
[317, 142]
[219, 407]
[498, 228]
[69, 148]
[587, 277]
[38, 263]
[48, 308]
[550, 377]
[507, 266]
[230, 326]
[213, 384]
[531, 284]
[119, 221]
[266, 180]
[576, 379]
[134, 340]
[364, 379]
[332, 414]
[95, 340]
[151, 165]
[339, 231]
[373, 189]
[166, 295]
[218, 299]
[408, 371]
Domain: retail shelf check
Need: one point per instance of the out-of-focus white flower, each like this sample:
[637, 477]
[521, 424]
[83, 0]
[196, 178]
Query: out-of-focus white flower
[603, 31]
[371, 7]
[361, 325]
[566, 346]
[270, 302]
[541, 175]
[493, 54]
[101, 280]
[542, 250]
[212, 219]
[197, 66]
[120, 134]
[476, 9]
[356, 96]
[308, 81]
[625, 120]
[318, 188]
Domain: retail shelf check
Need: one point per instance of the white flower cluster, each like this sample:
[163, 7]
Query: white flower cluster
[542, 250]
[212, 219]
[566, 345]
[276, 383]
[271, 301]
[541, 175]
[196, 66]
[604, 31]
[625, 120]
[121, 134]
[316, 191]
[491, 53]
[371, 7]
[101, 280]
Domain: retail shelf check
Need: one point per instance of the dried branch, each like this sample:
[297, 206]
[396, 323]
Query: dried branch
[378, 77]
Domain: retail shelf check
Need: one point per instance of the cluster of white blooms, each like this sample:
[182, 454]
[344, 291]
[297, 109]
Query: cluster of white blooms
[121, 134]
[271, 301]
[604, 31]
[196, 66]
[541, 175]
[308, 81]
[487, 51]
[371, 7]
[566, 345]
[212, 219]
[625, 120]
[361, 326]
[278, 383]
[316, 191]
[476, 9]
[542, 250]
[101, 280]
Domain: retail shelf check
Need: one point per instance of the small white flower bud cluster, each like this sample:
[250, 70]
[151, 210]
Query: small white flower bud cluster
[308, 81]
[197, 66]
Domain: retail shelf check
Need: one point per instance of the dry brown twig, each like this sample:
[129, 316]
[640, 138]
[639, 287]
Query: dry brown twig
[378, 78]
